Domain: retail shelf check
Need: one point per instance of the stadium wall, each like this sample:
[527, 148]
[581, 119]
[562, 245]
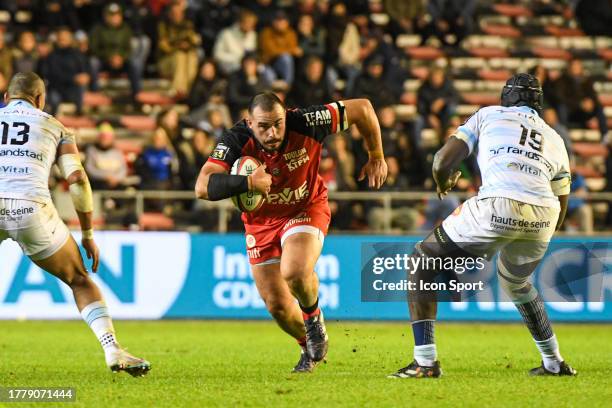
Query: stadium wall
[153, 275]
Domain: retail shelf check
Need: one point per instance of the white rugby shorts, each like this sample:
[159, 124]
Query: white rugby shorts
[486, 225]
[36, 227]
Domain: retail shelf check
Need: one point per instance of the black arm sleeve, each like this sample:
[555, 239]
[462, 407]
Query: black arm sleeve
[318, 121]
[222, 186]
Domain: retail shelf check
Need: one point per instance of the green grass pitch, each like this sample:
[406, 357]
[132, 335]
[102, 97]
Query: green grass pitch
[206, 363]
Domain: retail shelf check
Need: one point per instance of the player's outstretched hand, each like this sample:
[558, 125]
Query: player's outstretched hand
[92, 251]
[448, 185]
[376, 170]
[261, 181]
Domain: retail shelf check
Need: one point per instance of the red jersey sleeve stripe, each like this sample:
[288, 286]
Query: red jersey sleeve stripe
[334, 114]
[220, 162]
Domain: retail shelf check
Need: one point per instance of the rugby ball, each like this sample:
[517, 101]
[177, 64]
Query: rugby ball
[251, 200]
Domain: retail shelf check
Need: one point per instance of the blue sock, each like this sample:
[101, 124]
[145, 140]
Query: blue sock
[423, 331]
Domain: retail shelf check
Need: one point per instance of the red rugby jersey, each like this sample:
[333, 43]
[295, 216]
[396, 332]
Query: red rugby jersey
[294, 167]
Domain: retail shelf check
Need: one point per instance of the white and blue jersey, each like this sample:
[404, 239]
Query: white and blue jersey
[29, 139]
[519, 155]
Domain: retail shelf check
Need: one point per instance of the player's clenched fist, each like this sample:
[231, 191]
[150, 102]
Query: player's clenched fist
[260, 180]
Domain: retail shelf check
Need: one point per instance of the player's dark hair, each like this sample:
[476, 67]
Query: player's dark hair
[266, 102]
[25, 85]
[523, 90]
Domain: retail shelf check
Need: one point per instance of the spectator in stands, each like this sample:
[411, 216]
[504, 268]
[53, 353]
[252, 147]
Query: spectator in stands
[578, 100]
[44, 48]
[234, 41]
[360, 156]
[139, 18]
[311, 8]
[105, 163]
[594, 16]
[265, 10]
[311, 88]
[203, 145]
[169, 120]
[192, 154]
[208, 93]
[111, 47]
[6, 58]
[413, 162]
[389, 129]
[215, 119]
[65, 72]
[370, 38]
[449, 17]
[372, 84]
[340, 168]
[245, 83]
[212, 18]
[87, 12]
[177, 45]
[206, 85]
[437, 100]
[278, 47]
[50, 15]
[402, 214]
[548, 86]
[397, 143]
[81, 43]
[311, 38]
[579, 211]
[158, 7]
[216, 103]
[550, 117]
[342, 48]
[155, 163]
[327, 170]
[335, 26]
[373, 43]
[345, 167]
[25, 56]
[406, 17]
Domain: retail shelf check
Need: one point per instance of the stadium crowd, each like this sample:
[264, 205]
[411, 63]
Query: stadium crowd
[212, 56]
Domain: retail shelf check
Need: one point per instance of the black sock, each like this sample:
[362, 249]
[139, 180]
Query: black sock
[308, 310]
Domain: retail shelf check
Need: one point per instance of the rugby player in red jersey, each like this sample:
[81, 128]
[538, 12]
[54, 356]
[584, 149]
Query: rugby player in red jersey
[284, 237]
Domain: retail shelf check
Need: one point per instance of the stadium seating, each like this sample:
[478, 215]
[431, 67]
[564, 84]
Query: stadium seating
[509, 37]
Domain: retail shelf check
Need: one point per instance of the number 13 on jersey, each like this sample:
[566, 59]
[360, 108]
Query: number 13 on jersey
[20, 138]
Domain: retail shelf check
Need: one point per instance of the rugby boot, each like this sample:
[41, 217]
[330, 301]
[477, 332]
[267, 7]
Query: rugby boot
[120, 360]
[316, 335]
[414, 370]
[305, 365]
[564, 369]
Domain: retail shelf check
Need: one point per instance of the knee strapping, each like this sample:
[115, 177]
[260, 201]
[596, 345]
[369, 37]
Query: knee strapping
[517, 288]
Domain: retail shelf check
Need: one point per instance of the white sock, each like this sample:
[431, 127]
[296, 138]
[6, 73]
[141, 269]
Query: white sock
[551, 357]
[426, 355]
[98, 319]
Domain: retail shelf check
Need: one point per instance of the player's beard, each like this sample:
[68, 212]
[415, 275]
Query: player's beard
[276, 142]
